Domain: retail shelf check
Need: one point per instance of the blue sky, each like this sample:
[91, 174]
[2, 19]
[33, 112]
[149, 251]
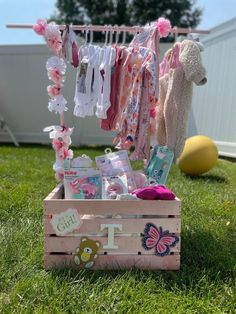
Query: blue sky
[27, 11]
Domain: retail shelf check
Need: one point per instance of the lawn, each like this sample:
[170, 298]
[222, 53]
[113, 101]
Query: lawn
[204, 284]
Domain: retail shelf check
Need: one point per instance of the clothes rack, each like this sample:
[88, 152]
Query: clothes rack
[136, 30]
[102, 28]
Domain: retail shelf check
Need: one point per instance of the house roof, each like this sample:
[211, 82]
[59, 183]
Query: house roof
[220, 32]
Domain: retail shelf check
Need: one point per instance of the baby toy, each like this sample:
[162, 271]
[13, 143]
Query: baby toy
[159, 165]
[112, 186]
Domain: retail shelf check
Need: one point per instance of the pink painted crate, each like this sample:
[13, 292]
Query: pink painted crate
[113, 234]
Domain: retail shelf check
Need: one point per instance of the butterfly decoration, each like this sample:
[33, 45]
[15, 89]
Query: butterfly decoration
[156, 238]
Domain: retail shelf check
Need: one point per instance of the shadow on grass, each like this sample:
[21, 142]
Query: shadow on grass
[203, 251]
[231, 159]
[209, 178]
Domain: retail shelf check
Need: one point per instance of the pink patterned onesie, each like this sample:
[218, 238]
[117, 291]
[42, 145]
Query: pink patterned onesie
[147, 101]
[123, 96]
[147, 124]
[136, 116]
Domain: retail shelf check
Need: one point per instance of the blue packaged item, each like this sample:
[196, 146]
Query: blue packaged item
[159, 164]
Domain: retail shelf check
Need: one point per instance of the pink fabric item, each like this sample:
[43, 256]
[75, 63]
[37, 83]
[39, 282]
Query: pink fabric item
[174, 61]
[140, 151]
[75, 56]
[154, 192]
[147, 105]
[170, 60]
[124, 91]
[150, 39]
[164, 67]
[109, 123]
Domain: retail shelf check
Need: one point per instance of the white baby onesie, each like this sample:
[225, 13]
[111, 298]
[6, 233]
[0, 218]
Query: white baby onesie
[83, 105]
[96, 75]
[104, 82]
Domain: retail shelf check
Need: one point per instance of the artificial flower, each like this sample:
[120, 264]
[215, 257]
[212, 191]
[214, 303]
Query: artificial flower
[57, 104]
[53, 37]
[65, 153]
[56, 76]
[57, 144]
[164, 27]
[59, 132]
[56, 63]
[40, 27]
[54, 90]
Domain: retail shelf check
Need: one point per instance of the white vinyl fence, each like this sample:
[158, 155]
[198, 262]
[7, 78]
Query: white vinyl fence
[214, 104]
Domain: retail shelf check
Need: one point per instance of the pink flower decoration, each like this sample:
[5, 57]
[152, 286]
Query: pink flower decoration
[53, 37]
[40, 27]
[56, 76]
[56, 63]
[65, 153]
[164, 26]
[53, 90]
[57, 144]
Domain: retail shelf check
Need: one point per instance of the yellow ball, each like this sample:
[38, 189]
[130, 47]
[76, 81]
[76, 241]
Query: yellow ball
[199, 155]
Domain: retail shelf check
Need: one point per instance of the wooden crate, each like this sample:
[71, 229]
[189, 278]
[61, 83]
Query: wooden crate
[112, 234]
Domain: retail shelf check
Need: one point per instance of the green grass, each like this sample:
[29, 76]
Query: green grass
[205, 283]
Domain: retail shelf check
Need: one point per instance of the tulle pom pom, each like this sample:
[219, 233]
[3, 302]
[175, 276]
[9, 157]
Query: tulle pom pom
[164, 27]
[40, 27]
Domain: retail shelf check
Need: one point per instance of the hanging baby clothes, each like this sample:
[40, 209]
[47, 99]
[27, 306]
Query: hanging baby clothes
[170, 60]
[149, 38]
[105, 82]
[96, 79]
[148, 100]
[182, 66]
[93, 81]
[83, 105]
[124, 91]
[143, 94]
[128, 83]
[109, 123]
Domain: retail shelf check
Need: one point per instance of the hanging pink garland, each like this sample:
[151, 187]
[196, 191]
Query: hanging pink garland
[56, 68]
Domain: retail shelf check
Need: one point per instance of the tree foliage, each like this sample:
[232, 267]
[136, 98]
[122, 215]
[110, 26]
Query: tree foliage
[181, 13]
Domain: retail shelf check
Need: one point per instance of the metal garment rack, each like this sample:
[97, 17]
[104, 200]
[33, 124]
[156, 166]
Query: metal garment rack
[4, 126]
[114, 28]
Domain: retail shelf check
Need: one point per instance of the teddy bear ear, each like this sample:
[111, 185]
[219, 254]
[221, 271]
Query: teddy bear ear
[98, 244]
[84, 239]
